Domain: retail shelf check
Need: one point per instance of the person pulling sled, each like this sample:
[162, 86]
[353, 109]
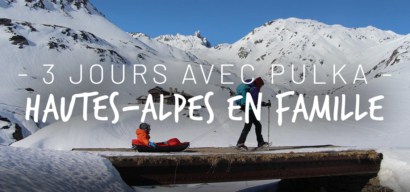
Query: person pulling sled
[254, 89]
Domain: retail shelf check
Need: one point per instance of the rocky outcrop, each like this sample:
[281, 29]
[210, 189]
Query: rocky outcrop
[18, 133]
[18, 40]
[205, 42]
[243, 52]
[5, 22]
[185, 42]
[63, 5]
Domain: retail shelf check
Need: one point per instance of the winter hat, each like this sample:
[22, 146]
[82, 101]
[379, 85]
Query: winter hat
[145, 126]
[259, 82]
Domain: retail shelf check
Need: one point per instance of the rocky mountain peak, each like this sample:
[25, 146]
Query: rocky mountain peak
[185, 42]
[198, 34]
[138, 35]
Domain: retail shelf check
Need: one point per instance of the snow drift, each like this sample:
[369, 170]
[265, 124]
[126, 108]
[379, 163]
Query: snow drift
[47, 170]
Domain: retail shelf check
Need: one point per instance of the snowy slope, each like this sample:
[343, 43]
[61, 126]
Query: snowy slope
[392, 132]
[67, 34]
[76, 14]
[301, 45]
[68, 43]
[67, 48]
[79, 51]
[159, 47]
[70, 33]
[14, 126]
[47, 170]
[302, 41]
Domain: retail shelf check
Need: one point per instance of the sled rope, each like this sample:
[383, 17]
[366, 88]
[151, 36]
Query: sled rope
[212, 129]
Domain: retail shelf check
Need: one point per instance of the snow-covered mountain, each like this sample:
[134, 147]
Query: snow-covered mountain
[301, 41]
[304, 45]
[178, 42]
[73, 33]
[37, 32]
[70, 33]
[183, 42]
[156, 46]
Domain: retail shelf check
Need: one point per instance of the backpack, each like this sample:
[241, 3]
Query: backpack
[174, 142]
[242, 89]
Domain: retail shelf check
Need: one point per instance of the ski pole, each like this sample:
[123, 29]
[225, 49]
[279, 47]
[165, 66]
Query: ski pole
[268, 121]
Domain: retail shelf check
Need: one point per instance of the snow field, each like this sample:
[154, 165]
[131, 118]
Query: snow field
[306, 44]
[47, 170]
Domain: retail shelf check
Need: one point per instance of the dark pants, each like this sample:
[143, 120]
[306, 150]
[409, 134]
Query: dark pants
[247, 128]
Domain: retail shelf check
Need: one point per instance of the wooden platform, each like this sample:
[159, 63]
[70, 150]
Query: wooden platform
[205, 165]
[210, 149]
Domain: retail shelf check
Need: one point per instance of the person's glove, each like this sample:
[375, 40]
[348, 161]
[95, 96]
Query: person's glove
[151, 144]
[242, 107]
